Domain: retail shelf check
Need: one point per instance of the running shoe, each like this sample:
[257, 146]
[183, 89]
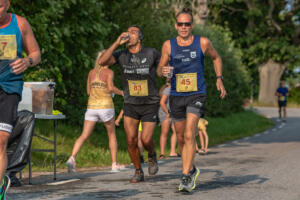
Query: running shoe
[153, 166]
[138, 176]
[188, 182]
[4, 188]
[71, 164]
[116, 167]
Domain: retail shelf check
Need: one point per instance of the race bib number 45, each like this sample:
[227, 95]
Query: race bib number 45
[138, 87]
[8, 47]
[186, 82]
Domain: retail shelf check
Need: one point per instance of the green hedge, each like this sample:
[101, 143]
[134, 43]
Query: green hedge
[294, 95]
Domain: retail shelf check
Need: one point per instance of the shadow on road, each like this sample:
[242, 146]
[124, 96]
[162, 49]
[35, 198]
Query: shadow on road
[112, 194]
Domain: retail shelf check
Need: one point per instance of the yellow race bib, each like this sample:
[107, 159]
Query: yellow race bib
[186, 82]
[138, 87]
[8, 47]
[281, 98]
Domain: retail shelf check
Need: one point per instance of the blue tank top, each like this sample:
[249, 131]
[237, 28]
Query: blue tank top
[11, 46]
[188, 63]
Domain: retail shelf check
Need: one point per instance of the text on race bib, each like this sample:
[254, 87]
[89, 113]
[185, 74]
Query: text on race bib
[8, 47]
[138, 87]
[186, 82]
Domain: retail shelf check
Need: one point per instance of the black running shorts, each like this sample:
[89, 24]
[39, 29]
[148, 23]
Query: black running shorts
[143, 112]
[181, 105]
[8, 110]
[282, 103]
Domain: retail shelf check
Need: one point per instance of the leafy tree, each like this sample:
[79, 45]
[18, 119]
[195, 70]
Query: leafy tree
[268, 33]
[69, 33]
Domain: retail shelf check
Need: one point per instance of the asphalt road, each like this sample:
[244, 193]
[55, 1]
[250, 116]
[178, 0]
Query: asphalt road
[261, 167]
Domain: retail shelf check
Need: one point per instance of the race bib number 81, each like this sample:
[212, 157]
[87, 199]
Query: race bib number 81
[8, 47]
[186, 82]
[138, 87]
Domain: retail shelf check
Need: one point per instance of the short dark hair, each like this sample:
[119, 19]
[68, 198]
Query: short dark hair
[141, 36]
[185, 11]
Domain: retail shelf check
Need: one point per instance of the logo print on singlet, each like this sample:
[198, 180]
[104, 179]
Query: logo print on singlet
[144, 60]
[135, 59]
[199, 104]
[193, 54]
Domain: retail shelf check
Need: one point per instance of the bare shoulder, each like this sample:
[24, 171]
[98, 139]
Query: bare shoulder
[166, 48]
[204, 41]
[23, 24]
[91, 72]
[206, 45]
[110, 72]
[167, 44]
[107, 72]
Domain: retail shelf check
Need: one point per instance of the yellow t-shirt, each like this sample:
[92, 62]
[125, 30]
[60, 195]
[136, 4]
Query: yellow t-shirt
[202, 123]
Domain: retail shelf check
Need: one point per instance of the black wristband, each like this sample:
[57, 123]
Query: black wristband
[221, 77]
[30, 61]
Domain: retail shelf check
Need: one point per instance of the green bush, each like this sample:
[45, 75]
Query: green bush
[236, 78]
[69, 33]
[294, 95]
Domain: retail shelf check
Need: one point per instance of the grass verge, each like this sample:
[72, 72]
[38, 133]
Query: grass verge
[95, 152]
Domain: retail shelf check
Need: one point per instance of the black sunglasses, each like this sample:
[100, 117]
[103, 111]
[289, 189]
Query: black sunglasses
[187, 24]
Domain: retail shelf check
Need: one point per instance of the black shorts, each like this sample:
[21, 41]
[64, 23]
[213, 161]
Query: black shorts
[282, 103]
[143, 112]
[8, 110]
[180, 105]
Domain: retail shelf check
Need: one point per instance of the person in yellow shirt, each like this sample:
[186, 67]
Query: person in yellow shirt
[100, 108]
[203, 137]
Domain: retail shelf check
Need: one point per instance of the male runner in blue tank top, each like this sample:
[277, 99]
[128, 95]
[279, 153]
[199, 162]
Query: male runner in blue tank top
[15, 34]
[185, 54]
[141, 100]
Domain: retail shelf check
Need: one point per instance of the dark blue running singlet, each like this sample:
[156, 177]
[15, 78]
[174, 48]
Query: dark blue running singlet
[188, 63]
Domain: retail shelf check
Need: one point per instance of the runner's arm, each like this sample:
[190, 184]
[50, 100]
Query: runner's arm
[164, 60]
[120, 116]
[110, 84]
[163, 105]
[107, 58]
[88, 84]
[208, 48]
[30, 45]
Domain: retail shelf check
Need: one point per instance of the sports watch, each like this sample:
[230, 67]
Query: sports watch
[221, 77]
[30, 61]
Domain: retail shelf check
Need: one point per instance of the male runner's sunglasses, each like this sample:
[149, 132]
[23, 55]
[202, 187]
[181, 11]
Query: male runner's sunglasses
[186, 24]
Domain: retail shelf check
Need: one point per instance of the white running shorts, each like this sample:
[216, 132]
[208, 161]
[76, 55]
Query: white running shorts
[99, 115]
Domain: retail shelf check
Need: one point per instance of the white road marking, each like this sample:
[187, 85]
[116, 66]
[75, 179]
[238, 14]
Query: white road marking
[221, 145]
[63, 182]
[246, 138]
[274, 129]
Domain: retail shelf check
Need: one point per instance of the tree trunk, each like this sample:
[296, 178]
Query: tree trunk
[269, 76]
[199, 9]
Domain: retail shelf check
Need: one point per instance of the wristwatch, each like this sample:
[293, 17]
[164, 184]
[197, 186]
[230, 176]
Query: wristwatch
[30, 61]
[221, 77]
